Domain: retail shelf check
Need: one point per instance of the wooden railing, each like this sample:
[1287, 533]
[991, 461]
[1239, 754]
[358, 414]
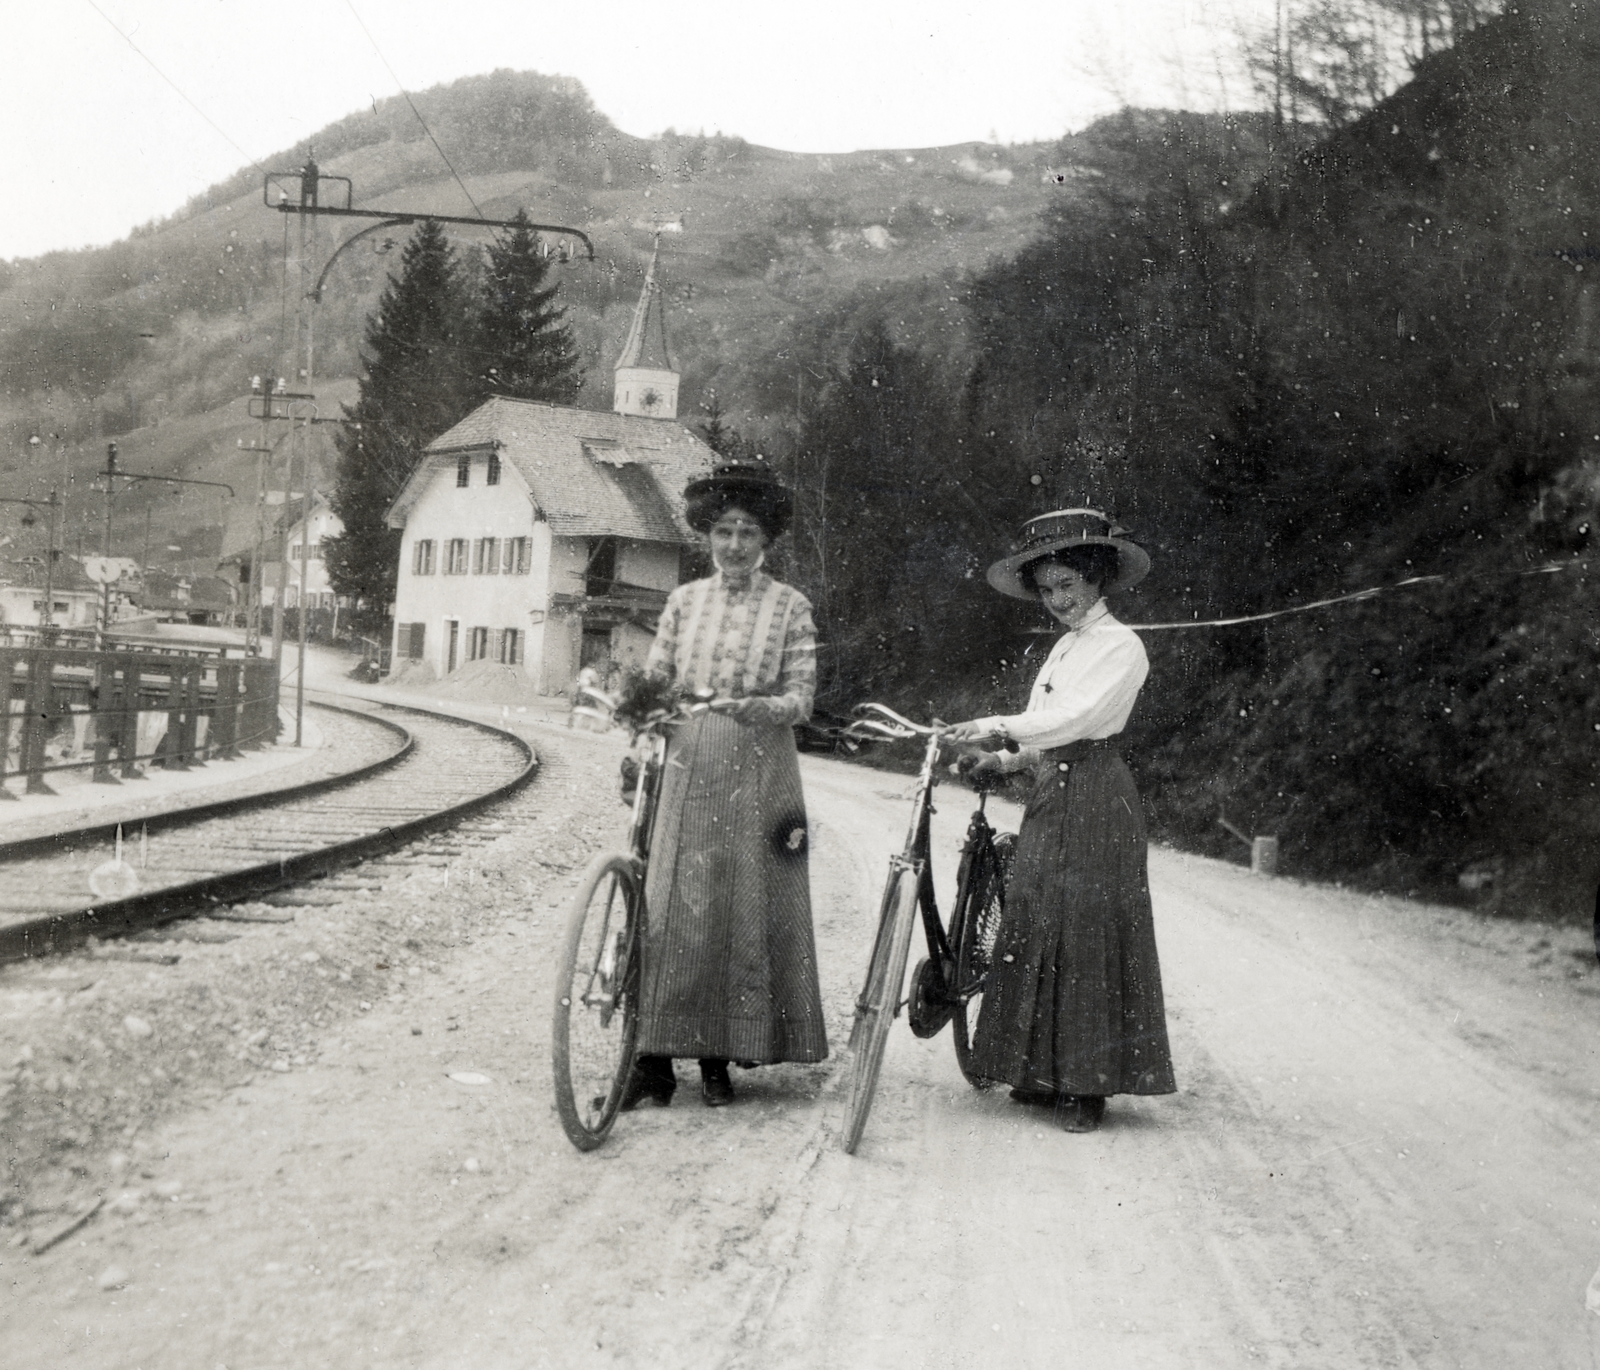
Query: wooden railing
[72, 708]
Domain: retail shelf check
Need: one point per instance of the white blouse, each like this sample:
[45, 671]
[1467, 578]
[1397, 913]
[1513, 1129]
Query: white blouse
[1085, 689]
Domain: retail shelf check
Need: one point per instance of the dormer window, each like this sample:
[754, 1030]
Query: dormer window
[494, 469]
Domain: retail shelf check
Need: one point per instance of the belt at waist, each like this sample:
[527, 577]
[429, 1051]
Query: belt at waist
[1076, 751]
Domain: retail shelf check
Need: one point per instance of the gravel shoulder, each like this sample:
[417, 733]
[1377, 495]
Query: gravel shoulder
[1382, 1151]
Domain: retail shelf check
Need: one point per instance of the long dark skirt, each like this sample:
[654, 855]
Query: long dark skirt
[1073, 1004]
[730, 961]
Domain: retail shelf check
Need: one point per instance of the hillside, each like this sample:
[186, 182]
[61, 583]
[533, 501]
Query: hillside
[766, 254]
[1373, 368]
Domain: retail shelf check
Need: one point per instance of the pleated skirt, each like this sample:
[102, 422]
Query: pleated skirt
[730, 960]
[1073, 1003]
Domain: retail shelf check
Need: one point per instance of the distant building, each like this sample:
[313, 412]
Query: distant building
[170, 598]
[74, 598]
[275, 526]
[545, 537]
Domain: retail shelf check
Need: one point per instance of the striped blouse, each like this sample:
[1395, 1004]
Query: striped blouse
[740, 641]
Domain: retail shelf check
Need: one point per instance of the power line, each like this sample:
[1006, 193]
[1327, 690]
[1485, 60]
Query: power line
[401, 86]
[176, 87]
[1549, 568]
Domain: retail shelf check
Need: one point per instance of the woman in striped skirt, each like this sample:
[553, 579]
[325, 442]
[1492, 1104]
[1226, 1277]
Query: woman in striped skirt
[730, 965]
[1072, 1010]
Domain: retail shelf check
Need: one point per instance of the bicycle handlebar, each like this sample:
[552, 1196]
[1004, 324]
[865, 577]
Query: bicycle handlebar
[891, 724]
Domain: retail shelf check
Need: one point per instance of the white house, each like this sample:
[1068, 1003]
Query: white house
[278, 524]
[545, 537]
[74, 598]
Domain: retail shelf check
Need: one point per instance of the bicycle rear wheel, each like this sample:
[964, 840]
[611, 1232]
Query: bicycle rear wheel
[974, 924]
[879, 1000]
[596, 1021]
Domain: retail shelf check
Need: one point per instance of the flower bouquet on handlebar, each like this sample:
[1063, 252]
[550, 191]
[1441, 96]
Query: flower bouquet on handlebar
[947, 985]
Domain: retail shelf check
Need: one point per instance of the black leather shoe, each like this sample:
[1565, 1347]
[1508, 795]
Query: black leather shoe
[648, 1083]
[1080, 1112]
[715, 1087]
[1032, 1096]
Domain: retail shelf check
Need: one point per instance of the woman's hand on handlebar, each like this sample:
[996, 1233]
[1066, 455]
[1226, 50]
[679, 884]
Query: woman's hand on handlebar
[973, 731]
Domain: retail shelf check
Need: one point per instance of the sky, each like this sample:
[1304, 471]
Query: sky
[118, 111]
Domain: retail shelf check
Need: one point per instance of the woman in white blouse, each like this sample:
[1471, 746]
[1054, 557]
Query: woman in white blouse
[1073, 1009]
[730, 964]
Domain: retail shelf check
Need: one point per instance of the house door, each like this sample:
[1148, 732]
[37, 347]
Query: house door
[596, 649]
[455, 643]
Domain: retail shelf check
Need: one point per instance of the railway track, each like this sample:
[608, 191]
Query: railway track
[435, 770]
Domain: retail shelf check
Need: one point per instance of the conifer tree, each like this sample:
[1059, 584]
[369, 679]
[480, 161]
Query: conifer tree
[522, 346]
[417, 384]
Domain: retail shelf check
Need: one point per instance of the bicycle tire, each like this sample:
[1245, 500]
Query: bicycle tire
[595, 1022]
[879, 1001]
[974, 924]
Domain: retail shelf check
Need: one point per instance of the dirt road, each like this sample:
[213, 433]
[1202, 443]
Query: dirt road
[1385, 1151]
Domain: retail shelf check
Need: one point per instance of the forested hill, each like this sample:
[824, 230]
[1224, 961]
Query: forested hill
[144, 338]
[1372, 360]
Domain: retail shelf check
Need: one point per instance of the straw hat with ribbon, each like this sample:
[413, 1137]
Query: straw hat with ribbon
[1069, 528]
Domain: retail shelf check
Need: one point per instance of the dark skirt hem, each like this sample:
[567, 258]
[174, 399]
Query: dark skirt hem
[1074, 1002]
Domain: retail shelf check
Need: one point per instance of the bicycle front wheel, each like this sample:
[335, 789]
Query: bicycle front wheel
[974, 924]
[880, 999]
[596, 1020]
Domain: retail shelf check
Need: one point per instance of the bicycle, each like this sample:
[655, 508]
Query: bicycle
[948, 983]
[595, 1023]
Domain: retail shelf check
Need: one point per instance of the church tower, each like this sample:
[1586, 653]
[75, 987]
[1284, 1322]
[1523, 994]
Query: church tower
[646, 375]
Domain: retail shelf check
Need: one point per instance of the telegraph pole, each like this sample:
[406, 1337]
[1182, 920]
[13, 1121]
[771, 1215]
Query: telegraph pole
[309, 207]
[105, 549]
[111, 474]
[308, 228]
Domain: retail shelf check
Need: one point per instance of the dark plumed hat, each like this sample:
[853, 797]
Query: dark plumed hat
[1069, 528]
[748, 485]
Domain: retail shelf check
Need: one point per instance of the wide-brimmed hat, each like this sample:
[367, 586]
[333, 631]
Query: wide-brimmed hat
[750, 485]
[1069, 528]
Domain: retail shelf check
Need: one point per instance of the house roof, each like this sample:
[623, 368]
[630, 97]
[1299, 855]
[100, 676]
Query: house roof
[67, 575]
[163, 590]
[590, 473]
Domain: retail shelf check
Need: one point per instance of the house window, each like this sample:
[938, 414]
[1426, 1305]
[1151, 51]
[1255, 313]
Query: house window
[422, 557]
[456, 557]
[602, 567]
[412, 634]
[477, 644]
[463, 471]
[515, 561]
[486, 557]
[494, 469]
[511, 647]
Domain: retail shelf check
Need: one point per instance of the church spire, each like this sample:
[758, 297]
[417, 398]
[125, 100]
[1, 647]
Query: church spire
[646, 373]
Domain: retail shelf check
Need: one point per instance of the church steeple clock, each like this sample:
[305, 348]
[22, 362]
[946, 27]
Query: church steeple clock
[646, 374]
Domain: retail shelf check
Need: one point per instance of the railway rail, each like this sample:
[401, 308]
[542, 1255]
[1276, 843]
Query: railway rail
[436, 770]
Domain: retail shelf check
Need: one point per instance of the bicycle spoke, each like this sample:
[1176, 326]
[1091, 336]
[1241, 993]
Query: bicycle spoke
[594, 1022]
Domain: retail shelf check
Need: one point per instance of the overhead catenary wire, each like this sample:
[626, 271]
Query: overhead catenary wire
[182, 94]
[400, 85]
